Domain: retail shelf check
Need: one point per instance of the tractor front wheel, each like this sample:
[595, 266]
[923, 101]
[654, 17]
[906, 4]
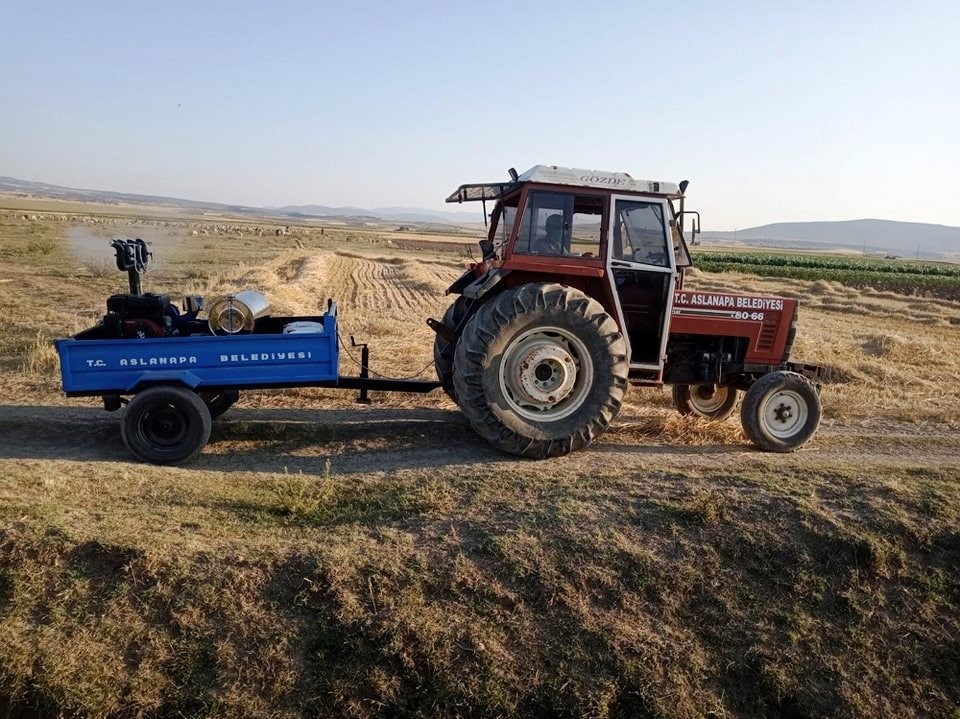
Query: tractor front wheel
[781, 411]
[166, 425]
[706, 400]
[540, 370]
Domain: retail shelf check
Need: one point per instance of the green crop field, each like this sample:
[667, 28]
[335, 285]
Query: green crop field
[933, 279]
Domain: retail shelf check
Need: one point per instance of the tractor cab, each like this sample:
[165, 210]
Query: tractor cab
[616, 238]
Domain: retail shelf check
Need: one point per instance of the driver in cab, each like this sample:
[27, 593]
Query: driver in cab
[551, 242]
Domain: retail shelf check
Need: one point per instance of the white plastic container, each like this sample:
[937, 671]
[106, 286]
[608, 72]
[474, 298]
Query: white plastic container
[302, 327]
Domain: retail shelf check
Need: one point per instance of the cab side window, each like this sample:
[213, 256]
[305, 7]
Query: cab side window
[561, 224]
[638, 233]
[503, 217]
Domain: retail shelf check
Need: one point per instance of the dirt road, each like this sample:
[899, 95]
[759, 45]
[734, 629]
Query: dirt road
[383, 439]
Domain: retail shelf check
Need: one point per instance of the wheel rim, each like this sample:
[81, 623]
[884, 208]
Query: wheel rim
[545, 374]
[708, 399]
[784, 413]
[163, 426]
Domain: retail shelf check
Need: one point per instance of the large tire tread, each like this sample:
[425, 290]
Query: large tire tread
[188, 403]
[444, 350]
[495, 318]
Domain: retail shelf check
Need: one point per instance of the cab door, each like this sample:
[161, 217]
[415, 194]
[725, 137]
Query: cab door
[642, 268]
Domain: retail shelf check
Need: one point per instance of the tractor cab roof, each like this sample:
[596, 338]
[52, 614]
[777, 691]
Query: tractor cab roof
[567, 176]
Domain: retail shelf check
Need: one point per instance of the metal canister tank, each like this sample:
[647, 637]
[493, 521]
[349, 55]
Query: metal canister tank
[237, 313]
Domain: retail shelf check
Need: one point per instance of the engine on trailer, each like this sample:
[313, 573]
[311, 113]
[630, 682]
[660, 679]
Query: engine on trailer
[137, 314]
[141, 315]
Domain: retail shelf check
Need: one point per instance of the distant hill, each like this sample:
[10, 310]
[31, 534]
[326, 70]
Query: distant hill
[57, 192]
[397, 214]
[12, 185]
[875, 236]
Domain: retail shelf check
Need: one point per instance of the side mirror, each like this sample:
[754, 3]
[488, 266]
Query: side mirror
[694, 224]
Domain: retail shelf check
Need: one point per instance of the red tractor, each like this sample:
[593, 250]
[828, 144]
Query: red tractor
[581, 293]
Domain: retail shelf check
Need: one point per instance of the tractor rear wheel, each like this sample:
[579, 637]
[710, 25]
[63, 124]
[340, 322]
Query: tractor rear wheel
[781, 411]
[166, 425]
[443, 349]
[540, 370]
[706, 400]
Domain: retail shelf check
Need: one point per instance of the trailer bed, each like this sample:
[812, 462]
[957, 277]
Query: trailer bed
[266, 358]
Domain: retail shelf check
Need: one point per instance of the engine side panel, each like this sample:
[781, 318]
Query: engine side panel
[765, 322]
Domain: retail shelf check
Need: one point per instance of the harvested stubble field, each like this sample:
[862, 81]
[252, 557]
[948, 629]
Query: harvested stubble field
[325, 558]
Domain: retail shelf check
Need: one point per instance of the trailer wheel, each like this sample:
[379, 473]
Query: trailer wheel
[166, 425]
[540, 370]
[219, 401]
[443, 349]
[707, 401]
[781, 411]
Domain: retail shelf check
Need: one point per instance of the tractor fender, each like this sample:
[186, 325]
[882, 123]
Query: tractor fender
[482, 285]
[462, 281]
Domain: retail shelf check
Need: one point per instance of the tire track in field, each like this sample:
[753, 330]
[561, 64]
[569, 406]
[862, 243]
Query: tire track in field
[327, 275]
[397, 288]
[380, 286]
[292, 270]
[370, 288]
[381, 300]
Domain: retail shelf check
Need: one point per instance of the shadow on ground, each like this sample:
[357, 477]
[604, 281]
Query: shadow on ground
[373, 439]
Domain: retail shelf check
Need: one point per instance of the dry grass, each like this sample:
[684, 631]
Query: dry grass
[41, 359]
[481, 593]
[323, 559]
[100, 267]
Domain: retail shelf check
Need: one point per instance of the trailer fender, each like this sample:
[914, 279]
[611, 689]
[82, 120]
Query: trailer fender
[152, 379]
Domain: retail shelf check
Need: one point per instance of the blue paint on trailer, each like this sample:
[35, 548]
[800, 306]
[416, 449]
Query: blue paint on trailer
[124, 366]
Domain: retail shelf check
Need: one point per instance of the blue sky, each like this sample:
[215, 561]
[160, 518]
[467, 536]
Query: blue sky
[775, 111]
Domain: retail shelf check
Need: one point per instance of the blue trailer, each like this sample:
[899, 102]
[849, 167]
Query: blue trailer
[174, 386]
[175, 373]
[266, 358]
